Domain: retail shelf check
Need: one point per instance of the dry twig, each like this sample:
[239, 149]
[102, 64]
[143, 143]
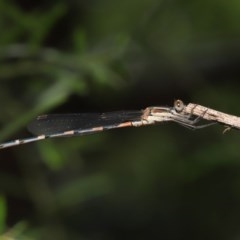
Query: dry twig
[209, 114]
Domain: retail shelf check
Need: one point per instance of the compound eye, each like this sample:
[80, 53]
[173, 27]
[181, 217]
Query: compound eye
[179, 105]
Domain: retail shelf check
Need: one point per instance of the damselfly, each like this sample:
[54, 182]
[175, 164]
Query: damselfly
[67, 125]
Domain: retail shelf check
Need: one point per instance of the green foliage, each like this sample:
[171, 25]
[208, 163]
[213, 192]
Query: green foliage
[35, 25]
[3, 213]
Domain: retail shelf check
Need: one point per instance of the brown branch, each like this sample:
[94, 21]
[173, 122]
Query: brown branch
[212, 115]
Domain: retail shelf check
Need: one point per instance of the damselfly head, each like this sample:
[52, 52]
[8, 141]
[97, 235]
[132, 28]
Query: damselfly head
[179, 105]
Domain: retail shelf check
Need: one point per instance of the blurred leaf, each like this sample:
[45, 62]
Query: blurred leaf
[51, 155]
[17, 232]
[42, 26]
[36, 25]
[57, 93]
[79, 40]
[83, 189]
[3, 213]
[54, 95]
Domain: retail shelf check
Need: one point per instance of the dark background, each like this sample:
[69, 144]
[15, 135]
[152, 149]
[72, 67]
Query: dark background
[155, 182]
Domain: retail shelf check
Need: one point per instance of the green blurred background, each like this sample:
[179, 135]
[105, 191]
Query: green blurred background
[156, 182]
